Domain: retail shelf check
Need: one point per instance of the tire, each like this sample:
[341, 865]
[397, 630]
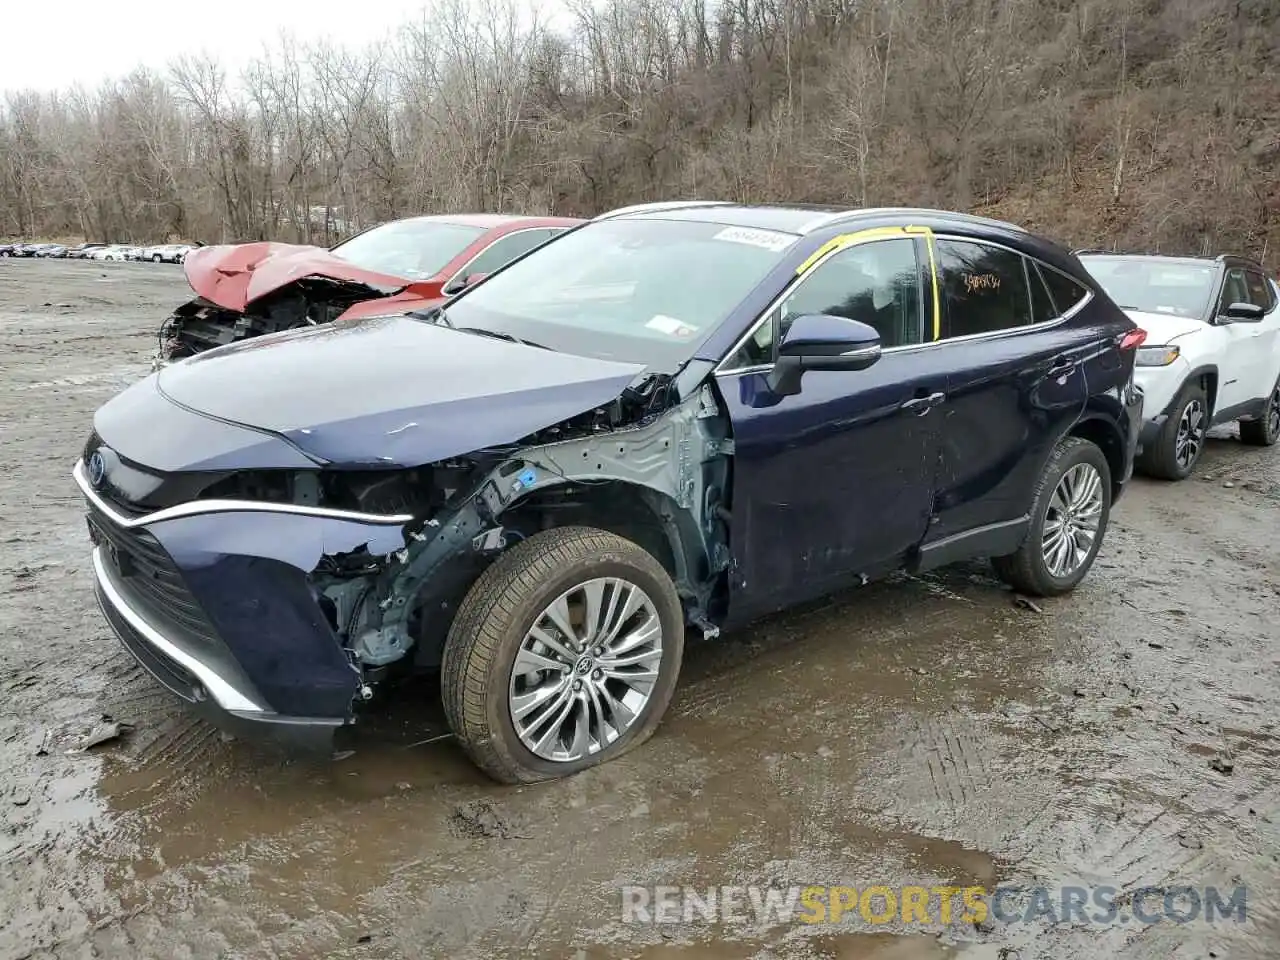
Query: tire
[1264, 431]
[1165, 458]
[492, 626]
[1028, 569]
[157, 258]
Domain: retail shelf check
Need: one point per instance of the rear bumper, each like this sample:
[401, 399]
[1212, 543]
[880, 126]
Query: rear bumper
[176, 664]
[1135, 427]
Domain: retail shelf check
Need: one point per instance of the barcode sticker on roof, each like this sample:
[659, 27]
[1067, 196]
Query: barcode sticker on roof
[768, 239]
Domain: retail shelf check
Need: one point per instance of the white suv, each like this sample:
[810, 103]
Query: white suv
[1212, 353]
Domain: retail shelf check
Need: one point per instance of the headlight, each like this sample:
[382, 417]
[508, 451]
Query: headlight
[1158, 356]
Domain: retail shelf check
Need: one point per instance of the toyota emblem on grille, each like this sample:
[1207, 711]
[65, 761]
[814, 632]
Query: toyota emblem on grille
[97, 468]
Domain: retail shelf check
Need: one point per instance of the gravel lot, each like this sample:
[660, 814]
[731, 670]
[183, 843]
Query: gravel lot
[926, 730]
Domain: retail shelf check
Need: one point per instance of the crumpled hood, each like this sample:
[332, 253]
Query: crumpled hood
[235, 275]
[391, 391]
[1164, 327]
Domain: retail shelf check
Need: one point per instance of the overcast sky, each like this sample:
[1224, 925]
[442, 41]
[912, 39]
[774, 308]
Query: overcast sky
[51, 44]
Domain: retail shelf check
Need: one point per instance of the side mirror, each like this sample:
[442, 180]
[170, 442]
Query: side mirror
[819, 341]
[1244, 312]
[460, 283]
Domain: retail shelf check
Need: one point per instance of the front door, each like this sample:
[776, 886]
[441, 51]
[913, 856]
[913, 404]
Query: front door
[1240, 346]
[835, 482]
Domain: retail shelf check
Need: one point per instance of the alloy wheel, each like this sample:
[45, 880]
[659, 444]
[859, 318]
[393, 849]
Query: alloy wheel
[1190, 436]
[1273, 412]
[1071, 522]
[585, 670]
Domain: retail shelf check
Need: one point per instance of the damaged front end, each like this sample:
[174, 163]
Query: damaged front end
[278, 598]
[201, 324]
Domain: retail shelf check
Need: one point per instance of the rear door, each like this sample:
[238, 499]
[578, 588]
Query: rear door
[1015, 383]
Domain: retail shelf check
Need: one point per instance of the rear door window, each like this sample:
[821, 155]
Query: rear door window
[984, 289]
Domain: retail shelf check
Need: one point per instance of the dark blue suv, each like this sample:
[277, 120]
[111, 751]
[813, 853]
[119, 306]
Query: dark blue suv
[683, 414]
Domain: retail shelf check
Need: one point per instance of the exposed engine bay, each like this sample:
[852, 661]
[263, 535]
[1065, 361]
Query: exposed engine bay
[654, 473]
[200, 324]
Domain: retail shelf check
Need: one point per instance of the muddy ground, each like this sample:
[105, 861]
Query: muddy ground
[920, 731]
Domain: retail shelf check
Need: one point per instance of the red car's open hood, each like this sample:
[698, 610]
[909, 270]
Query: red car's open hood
[235, 275]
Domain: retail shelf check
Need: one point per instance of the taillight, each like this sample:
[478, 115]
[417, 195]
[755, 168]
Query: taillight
[1133, 339]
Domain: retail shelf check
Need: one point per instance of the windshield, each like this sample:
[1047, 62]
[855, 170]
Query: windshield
[1155, 286]
[415, 249]
[645, 291]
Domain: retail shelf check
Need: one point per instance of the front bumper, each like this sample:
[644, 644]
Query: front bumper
[168, 657]
[237, 636]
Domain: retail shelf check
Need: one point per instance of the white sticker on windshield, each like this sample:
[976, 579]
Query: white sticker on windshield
[671, 326]
[767, 239]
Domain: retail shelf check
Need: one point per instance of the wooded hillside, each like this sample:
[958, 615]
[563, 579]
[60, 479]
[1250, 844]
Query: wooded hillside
[1149, 124]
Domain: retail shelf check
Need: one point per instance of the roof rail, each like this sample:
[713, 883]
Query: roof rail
[660, 205]
[1084, 250]
[1224, 257]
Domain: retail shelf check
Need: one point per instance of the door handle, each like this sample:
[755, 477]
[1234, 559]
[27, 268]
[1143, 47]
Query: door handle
[922, 405]
[1061, 366]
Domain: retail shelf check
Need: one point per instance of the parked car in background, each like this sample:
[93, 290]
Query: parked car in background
[251, 289]
[113, 251]
[166, 253]
[7, 249]
[53, 250]
[27, 249]
[541, 484]
[83, 251]
[1212, 353]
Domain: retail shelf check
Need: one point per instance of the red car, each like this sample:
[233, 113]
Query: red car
[245, 290]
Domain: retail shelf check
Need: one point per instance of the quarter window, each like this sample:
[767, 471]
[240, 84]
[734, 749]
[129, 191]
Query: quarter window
[984, 289]
[1066, 293]
[1042, 308]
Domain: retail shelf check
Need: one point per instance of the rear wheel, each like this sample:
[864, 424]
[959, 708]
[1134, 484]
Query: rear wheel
[1264, 431]
[156, 258]
[1178, 445]
[1069, 518]
[563, 655]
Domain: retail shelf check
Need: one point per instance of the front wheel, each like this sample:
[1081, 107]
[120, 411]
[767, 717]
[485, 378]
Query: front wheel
[1265, 430]
[1177, 447]
[563, 655]
[1069, 516]
[156, 259]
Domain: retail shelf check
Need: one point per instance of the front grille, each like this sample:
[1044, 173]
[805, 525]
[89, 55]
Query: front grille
[147, 575]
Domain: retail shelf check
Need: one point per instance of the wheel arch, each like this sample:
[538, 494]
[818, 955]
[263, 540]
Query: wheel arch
[1104, 433]
[649, 518]
[1207, 374]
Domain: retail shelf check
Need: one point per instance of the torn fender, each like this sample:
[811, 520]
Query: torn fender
[235, 275]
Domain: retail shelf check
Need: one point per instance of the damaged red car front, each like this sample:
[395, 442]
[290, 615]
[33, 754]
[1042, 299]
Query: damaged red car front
[250, 289]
